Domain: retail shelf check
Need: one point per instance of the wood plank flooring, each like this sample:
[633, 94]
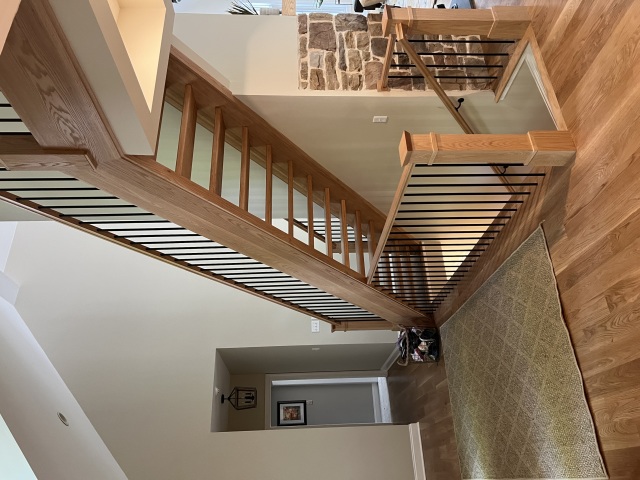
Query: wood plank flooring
[420, 393]
[590, 212]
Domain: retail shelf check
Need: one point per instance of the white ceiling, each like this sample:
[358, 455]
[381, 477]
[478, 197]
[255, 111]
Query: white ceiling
[306, 358]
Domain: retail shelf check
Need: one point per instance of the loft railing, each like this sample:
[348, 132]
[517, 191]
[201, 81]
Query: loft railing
[246, 162]
[452, 202]
[492, 31]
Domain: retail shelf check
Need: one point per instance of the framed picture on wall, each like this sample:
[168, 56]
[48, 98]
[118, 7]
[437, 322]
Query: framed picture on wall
[292, 412]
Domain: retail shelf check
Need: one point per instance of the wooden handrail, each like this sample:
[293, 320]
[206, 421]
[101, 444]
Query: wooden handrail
[393, 211]
[498, 22]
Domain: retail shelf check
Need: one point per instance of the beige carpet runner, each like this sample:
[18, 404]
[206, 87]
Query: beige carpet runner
[516, 391]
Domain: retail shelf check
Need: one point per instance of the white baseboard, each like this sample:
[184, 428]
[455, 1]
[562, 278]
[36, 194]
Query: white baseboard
[416, 452]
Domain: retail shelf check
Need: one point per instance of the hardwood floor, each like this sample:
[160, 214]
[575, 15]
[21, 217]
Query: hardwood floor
[420, 393]
[590, 212]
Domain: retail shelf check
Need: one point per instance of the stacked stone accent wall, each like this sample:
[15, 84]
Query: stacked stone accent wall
[346, 52]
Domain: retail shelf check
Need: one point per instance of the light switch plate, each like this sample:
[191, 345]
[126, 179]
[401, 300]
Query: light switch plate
[315, 326]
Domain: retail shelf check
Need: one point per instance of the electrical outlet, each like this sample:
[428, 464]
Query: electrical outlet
[380, 119]
[315, 326]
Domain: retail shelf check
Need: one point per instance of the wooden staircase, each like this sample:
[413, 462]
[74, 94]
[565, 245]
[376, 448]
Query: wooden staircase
[324, 250]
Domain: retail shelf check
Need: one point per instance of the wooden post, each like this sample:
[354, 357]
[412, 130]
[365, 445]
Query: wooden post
[290, 211]
[245, 162]
[310, 230]
[217, 154]
[344, 233]
[388, 57]
[328, 234]
[268, 195]
[187, 136]
[359, 246]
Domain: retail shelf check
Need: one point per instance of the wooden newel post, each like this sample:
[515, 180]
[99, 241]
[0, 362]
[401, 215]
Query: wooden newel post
[550, 149]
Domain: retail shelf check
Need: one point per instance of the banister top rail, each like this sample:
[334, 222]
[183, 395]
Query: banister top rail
[499, 22]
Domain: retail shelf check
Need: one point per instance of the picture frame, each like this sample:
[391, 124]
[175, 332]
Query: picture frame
[292, 412]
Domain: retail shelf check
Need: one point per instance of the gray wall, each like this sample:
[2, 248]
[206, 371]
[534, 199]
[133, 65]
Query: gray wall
[332, 404]
[251, 418]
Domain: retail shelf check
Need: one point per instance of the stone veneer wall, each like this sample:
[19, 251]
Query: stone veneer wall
[346, 52]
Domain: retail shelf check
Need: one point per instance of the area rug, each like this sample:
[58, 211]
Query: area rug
[516, 392]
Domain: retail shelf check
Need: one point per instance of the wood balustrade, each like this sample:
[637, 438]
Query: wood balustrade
[73, 138]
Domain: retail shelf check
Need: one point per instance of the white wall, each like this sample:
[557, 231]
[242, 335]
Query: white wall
[135, 339]
[13, 465]
[31, 394]
[221, 386]
[257, 54]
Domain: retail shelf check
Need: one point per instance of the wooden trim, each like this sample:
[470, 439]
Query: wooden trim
[552, 148]
[245, 165]
[386, 65]
[401, 32]
[497, 22]
[290, 211]
[186, 140]
[360, 325]
[45, 113]
[393, 211]
[328, 234]
[509, 22]
[359, 245]
[217, 154]
[344, 239]
[268, 191]
[310, 229]
[514, 59]
[552, 99]
[8, 10]
[22, 152]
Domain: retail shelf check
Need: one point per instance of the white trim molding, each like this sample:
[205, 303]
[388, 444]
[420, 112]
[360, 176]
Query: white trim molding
[416, 452]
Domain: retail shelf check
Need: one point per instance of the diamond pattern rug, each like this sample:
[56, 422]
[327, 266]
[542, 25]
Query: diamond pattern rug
[516, 391]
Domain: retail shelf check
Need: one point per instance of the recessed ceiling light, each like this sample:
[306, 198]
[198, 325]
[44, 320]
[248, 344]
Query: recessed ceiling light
[63, 419]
